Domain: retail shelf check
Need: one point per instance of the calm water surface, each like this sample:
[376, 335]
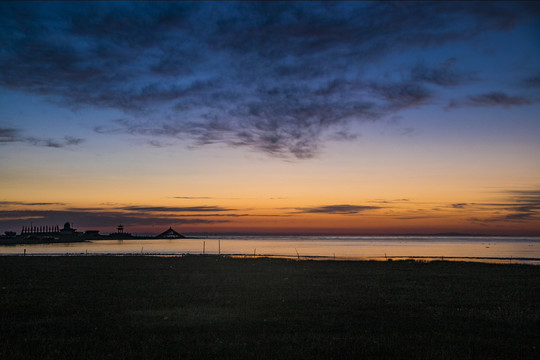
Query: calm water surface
[498, 249]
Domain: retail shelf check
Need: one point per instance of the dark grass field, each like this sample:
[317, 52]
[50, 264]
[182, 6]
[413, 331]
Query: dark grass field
[206, 307]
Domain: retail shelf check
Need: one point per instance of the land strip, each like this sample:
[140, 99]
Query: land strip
[201, 307]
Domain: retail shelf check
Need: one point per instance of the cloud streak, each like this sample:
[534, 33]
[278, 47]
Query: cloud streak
[12, 135]
[274, 77]
[532, 81]
[441, 75]
[24, 203]
[192, 197]
[343, 209]
[152, 209]
[498, 98]
[526, 204]
[517, 205]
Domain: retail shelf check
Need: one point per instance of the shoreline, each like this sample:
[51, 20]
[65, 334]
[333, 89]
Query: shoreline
[425, 259]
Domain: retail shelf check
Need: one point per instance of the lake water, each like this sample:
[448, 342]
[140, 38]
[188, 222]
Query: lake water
[487, 249]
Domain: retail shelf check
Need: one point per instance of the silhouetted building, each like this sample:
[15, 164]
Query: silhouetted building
[170, 234]
[46, 234]
[67, 230]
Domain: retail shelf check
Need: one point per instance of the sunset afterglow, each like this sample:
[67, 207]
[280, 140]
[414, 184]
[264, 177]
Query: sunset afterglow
[280, 118]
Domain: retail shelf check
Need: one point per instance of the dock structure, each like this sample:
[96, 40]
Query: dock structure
[31, 234]
[48, 230]
[39, 230]
[44, 234]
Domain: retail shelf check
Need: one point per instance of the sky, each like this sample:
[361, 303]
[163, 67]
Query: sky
[338, 118]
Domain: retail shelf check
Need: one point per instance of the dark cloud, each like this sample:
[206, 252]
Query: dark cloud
[519, 205]
[383, 201]
[459, 205]
[8, 134]
[532, 81]
[401, 95]
[175, 208]
[336, 209]
[151, 213]
[526, 204]
[3, 203]
[11, 135]
[525, 195]
[192, 197]
[443, 75]
[67, 141]
[70, 140]
[497, 98]
[275, 77]
[520, 215]
[415, 217]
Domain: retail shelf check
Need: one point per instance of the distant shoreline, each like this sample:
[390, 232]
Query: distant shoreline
[29, 240]
[35, 240]
[450, 234]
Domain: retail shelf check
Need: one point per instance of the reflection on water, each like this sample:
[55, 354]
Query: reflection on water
[494, 249]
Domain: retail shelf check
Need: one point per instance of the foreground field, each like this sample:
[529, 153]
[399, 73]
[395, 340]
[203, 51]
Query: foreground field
[200, 307]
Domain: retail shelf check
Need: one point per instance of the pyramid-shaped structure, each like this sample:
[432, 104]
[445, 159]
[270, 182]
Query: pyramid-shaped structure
[170, 234]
